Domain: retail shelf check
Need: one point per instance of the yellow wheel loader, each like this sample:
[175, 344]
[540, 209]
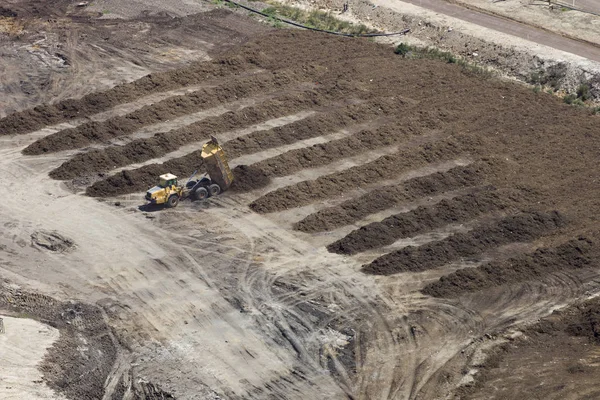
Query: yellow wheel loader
[217, 179]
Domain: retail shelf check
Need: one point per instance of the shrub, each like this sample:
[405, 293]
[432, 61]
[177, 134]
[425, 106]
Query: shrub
[403, 49]
[583, 92]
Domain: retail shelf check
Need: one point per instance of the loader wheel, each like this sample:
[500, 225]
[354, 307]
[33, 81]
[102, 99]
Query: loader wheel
[214, 189]
[201, 193]
[173, 201]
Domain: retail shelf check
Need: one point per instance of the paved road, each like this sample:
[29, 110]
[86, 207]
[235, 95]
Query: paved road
[511, 27]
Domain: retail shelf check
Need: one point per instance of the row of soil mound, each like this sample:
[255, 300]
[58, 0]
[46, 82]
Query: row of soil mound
[70, 109]
[574, 254]
[385, 167]
[172, 107]
[140, 150]
[136, 180]
[79, 362]
[326, 153]
[517, 228]
[376, 200]
[459, 209]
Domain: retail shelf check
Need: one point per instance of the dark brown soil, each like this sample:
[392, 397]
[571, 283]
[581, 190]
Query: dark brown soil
[247, 178]
[574, 254]
[459, 209]
[517, 228]
[78, 363]
[385, 167]
[383, 198]
[172, 107]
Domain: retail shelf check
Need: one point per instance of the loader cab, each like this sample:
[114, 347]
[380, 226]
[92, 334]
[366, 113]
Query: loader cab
[167, 181]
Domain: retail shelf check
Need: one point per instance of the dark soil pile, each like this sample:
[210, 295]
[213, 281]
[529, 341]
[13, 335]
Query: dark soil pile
[7, 12]
[385, 167]
[78, 363]
[247, 178]
[425, 218]
[517, 228]
[376, 200]
[574, 254]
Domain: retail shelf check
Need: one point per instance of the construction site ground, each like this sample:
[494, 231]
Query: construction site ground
[398, 228]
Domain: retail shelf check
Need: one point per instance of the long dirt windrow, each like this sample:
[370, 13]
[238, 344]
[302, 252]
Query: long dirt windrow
[516, 228]
[459, 209]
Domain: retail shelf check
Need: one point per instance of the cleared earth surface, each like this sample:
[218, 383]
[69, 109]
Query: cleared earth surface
[392, 220]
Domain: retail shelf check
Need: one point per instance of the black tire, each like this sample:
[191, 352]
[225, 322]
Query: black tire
[173, 201]
[190, 184]
[214, 189]
[201, 193]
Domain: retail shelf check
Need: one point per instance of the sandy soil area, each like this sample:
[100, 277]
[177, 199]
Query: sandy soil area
[23, 345]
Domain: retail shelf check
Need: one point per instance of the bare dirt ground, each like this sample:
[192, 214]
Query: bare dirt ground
[393, 221]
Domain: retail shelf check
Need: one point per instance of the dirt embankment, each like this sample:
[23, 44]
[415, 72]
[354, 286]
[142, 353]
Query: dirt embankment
[79, 362]
[136, 180]
[140, 150]
[172, 107]
[518, 228]
[359, 207]
[385, 167]
[555, 358]
[66, 110]
[459, 209]
[574, 254]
